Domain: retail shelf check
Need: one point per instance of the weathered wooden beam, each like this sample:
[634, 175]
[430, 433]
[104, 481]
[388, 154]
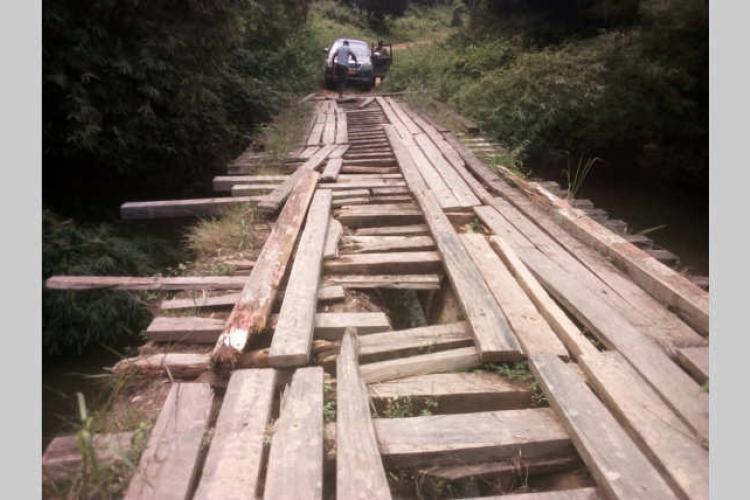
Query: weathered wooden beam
[293, 334]
[385, 263]
[295, 461]
[196, 207]
[369, 244]
[695, 361]
[325, 294]
[335, 231]
[471, 437]
[398, 281]
[359, 468]
[617, 465]
[250, 315]
[273, 201]
[492, 333]
[235, 456]
[168, 466]
[408, 230]
[452, 393]
[226, 182]
[331, 170]
[422, 364]
[145, 283]
[62, 458]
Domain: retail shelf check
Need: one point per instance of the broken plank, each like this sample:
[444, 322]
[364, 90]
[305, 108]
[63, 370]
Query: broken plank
[438, 362]
[297, 442]
[168, 466]
[452, 393]
[235, 456]
[617, 465]
[252, 310]
[653, 426]
[145, 283]
[331, 170]
[414, 230]
[398, 281]
[492, 333]
[695, 361]
[471, 437]
[359, 467]
[293, 334]
[385, 263]
[335, 230]
[530, 327]
[182, 208]
[369, 244]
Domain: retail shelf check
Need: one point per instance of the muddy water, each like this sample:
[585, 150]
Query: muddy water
[644, 204]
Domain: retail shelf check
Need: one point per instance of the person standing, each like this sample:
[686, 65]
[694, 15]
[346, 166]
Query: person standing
[341, 66]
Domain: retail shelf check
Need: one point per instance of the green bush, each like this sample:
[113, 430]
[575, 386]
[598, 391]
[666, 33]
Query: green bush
[73, 320]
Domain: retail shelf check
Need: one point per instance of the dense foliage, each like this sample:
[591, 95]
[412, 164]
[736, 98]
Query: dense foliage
[626, 81]
[161, 90]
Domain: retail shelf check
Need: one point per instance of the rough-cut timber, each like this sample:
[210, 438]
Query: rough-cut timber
[695, 361]
[410, 230]
[234, 460]
[359, 468]
[332, 326]
[293, 334]
[335, 230]
[188, 329]
[618, 466]
[62, 458]
[295, 461]
[369, 244]
[172, 364]
[225, 182]
[530, 328]
[453, 392]
[655, 428]
[250, 315]
[471, 437]
[145, 283]
[272, 202]
[168, 466]
[491, 330]
[196, 207]
[589, 493]
[385, 263]
[331, 172]
[401, 281]
[423, 364]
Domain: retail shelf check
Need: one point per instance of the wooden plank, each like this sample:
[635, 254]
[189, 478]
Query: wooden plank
[390, 190]
[168, 466]
[675, 386]
[566, 331]
[405, 119]
[329, 130]
[424, 364]
[377, 215]
[229, 300]
[295, 461]
[452, 393]
[171, 364]
[272, 202]
[357, 200]
[252, 310]
[385, 263]
[588, 493]
[366, 102]
[252, 189]
[364, 184]
[189, 329]
[359, 177]
[62, 457]
[133, 210]
[309, 152]
[359, 468]
[225, 182]
[315, 134]
[529, 326]
[413, 230]
[398, 281]
[471, 437]
[491, 330]
[369, 244]
[235, 457]
[335, 230]
[145, 283]
[505, 469]
[339, 151]
[293, 335]
[666, 441]
[332, 169]
[460, 189]
[342, 134]
[353, 169]
[331, 326]
[695, 361]
[620, 469]
[349, 193]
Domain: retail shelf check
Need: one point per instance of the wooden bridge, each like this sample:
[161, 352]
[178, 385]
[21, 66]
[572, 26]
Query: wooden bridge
[503, 270]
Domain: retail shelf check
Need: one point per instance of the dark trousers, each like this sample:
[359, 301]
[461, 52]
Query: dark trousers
[339, 76]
